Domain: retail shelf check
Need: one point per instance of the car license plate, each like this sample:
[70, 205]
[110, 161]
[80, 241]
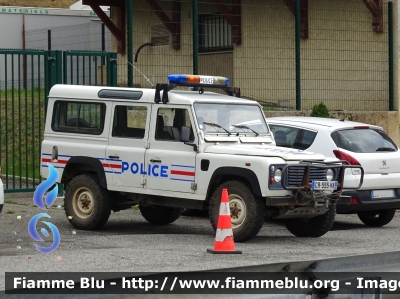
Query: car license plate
[324, 185]
[382, 193]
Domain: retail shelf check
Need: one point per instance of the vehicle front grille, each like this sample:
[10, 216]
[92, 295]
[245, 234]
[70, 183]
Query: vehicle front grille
[295, 175]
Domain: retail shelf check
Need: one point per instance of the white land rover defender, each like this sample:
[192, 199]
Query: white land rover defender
[167, 149]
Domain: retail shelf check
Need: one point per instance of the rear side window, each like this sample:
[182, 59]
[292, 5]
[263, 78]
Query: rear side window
[363, 141]
[292, 137]
[306, 139]
[78, 117]
[129, 121]
[284, 136]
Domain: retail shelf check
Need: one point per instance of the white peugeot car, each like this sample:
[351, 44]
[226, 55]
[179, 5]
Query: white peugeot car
[359, 144]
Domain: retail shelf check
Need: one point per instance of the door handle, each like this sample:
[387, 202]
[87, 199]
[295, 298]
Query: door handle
[113, 157]
[155, 161]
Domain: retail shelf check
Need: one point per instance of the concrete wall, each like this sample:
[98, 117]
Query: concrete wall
[11, 39]
[264, 63]
[217, 65]
[343, 62]
[159, 61]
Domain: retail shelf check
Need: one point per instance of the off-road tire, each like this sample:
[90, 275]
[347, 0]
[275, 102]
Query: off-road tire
[312, 227]
[253, 218]
[160, 215]
[87, 205]
[377, 218]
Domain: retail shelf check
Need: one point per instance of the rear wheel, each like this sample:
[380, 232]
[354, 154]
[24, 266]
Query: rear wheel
[87, 204]
[312, 227]
[377, 218]
[160, 215]
[247, 210]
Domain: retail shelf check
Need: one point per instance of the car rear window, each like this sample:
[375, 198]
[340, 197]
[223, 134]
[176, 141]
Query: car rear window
[363, 141]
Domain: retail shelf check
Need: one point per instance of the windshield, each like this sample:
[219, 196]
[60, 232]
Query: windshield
[232, 118]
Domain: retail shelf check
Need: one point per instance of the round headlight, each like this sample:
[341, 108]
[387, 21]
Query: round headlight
[278, 175]
[329, 174]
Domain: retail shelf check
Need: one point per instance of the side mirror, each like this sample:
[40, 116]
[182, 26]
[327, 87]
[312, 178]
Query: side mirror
[185, 137]
[185, 134]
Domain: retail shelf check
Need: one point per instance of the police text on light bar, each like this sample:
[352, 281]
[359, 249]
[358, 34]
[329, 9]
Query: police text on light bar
[198, 80]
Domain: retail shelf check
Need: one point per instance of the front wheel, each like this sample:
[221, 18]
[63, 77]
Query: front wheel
[160, 215]
[312, 227]
[377, 218]
[87, 204]
[247, 210]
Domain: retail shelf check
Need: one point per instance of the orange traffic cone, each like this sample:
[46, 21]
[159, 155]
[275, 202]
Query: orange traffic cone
[224, 238]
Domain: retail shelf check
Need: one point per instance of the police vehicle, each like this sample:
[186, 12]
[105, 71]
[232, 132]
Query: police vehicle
[167, 149]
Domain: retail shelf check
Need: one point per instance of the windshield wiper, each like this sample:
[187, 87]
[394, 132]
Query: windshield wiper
[245, 127]
[385, 149]
[218, 126]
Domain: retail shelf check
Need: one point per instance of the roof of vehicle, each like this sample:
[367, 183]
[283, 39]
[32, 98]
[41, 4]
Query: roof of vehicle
[318, 122]
[65, 91]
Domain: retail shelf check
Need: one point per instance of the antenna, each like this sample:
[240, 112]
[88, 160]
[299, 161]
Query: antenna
[147, 79]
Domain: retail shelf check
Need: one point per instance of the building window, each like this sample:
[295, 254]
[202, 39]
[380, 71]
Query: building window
[215, 34]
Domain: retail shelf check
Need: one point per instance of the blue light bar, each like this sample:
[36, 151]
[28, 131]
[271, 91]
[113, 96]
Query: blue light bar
[197, 80]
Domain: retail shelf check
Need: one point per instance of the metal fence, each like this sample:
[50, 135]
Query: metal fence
[90, 68]
[26, 78]
[286, 54]
[22, 105]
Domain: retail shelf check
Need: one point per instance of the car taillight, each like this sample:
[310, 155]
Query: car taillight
[343, 156]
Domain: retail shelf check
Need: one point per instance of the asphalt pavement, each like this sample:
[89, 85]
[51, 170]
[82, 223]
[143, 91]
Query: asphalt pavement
[127, 243]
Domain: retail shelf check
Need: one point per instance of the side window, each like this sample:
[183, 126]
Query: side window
[77, 117]
[169, 123]
[129, 121]
[284, 136]
[306, 139]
